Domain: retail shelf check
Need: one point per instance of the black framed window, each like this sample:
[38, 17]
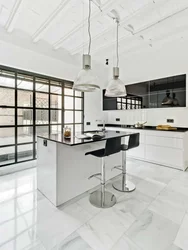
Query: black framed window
[30, 105]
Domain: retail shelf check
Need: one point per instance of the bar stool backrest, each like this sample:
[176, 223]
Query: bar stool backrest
[134, 141]
[113, 146]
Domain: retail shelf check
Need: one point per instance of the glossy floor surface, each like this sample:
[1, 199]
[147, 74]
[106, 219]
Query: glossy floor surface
[153, 217]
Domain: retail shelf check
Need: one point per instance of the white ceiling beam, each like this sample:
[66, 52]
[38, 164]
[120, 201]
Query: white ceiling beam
[14, 15]
[49, 21]
[105, 8]
[138, 32]
[122, 22]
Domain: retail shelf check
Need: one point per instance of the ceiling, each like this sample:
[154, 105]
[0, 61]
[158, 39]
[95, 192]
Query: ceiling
[62, 24]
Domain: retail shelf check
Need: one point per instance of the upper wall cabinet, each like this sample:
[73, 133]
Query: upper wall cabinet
[161, 93]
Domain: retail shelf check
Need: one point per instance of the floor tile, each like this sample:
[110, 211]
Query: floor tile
[179, 186]
[150, 187]
[84, 202]
[170, 205]
[23, 241]
[103, 230]
[152, 231]
[77, 212]
[133, 203]
[125, 244]
[73, 242]
[182, 239]
[53, 230]
[173, 247]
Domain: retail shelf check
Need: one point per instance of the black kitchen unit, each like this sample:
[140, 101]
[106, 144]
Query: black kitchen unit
[161, 93]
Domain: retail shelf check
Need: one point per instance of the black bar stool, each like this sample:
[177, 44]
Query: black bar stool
[124, 185]
[104, 199]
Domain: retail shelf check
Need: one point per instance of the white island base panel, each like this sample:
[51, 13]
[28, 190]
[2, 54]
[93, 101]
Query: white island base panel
[63, 171]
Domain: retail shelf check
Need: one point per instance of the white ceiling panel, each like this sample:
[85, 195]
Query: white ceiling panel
[62, 24]
[34, 14]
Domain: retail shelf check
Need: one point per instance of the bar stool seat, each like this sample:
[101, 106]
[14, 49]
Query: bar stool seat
[97, 153]
[102, 198]
[124, 185]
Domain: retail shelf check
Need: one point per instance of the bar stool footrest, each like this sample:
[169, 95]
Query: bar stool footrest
[128, 186]
[102, 200]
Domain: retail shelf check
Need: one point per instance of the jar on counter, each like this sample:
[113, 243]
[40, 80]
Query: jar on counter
[67, 132]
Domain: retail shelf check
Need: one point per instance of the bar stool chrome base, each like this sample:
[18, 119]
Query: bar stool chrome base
[102, 199]
[122, 186]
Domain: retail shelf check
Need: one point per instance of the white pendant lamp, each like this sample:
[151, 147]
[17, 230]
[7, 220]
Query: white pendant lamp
[116, 88]
[86, 81]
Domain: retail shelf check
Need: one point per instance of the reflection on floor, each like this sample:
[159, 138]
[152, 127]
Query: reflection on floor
[153, 217]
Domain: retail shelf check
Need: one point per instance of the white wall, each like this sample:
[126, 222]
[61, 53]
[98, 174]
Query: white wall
[17, 57]
[149, 64]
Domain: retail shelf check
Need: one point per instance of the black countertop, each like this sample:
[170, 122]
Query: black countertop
[73, 141]
[145, 127]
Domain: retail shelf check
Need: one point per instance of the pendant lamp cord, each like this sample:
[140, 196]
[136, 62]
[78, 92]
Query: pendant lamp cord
[117, 43]
[89, 28]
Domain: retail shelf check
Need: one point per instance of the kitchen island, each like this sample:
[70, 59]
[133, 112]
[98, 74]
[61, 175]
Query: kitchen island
[63, 169]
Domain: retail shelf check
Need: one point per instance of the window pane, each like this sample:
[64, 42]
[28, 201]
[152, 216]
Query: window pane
[42, 116]
[25, 117]
[78, 116]
[25, 98]
[56, 116]
[7, 116]
[42, 100]
[68, 102]
[41, 130]
[25, 134]
[25, 152]
[68, 116]
[56, 101]
[55, 129]
[7, 155]
[7, 136]
[78, 128]
[22, 84]
[68, 91]
[7, 82]
[78, 103]
[78, 93]
[56, 90]
[7, 97]
[42, 87]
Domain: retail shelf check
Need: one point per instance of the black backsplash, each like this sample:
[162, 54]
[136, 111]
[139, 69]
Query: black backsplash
[150, 94]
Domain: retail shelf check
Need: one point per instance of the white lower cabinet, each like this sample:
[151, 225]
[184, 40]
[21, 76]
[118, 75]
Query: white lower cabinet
[163, 155]
[161, 147]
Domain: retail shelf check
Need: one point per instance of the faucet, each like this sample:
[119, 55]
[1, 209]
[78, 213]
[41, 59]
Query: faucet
[103, 121]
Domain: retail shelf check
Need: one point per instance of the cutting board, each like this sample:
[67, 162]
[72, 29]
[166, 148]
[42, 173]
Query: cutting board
[165, 127]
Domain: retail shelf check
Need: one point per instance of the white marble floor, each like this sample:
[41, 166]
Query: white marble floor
[153, 217]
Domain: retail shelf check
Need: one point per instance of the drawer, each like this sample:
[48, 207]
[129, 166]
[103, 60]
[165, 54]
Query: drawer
[164, 141]
[171, 134]
[163, 155]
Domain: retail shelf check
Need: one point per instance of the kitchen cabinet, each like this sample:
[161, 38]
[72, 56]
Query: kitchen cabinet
[168, 148]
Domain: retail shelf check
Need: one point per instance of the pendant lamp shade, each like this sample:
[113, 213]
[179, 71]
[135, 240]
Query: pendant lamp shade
[86, 81]
[116, 88]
